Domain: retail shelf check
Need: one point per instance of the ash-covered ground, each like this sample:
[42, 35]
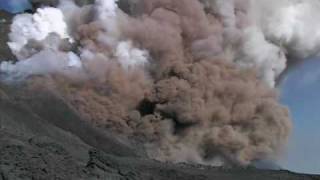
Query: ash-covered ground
[43, 137]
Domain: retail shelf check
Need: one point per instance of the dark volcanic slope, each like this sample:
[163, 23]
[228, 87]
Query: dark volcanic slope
[35, 144]
[41, 138]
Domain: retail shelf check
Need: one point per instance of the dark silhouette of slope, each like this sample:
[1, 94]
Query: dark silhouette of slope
[41, 138]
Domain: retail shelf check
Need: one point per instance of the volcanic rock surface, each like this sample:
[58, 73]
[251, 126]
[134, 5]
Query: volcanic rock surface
[41, 138]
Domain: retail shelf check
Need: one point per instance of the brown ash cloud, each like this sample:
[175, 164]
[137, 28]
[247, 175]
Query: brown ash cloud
[191, 102]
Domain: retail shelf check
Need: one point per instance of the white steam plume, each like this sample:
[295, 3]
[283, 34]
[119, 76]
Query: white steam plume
[130, 56]
[269, 30]
[292, 24]
[42, 63]
[35, 39]
[267, 58]
[38, 26]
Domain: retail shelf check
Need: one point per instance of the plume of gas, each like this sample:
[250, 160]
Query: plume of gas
[191, 101]
[38, 26]
[281, 28]
[290, 24]
[46, 34]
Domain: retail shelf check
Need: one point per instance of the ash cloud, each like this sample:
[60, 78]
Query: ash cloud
[192, 81]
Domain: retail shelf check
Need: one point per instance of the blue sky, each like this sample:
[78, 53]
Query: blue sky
[15, 6]
[301, 93]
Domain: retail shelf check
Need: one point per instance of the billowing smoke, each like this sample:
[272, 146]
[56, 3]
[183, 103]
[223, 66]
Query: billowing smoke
[36, 27]
[193, 81]
[290, 24]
